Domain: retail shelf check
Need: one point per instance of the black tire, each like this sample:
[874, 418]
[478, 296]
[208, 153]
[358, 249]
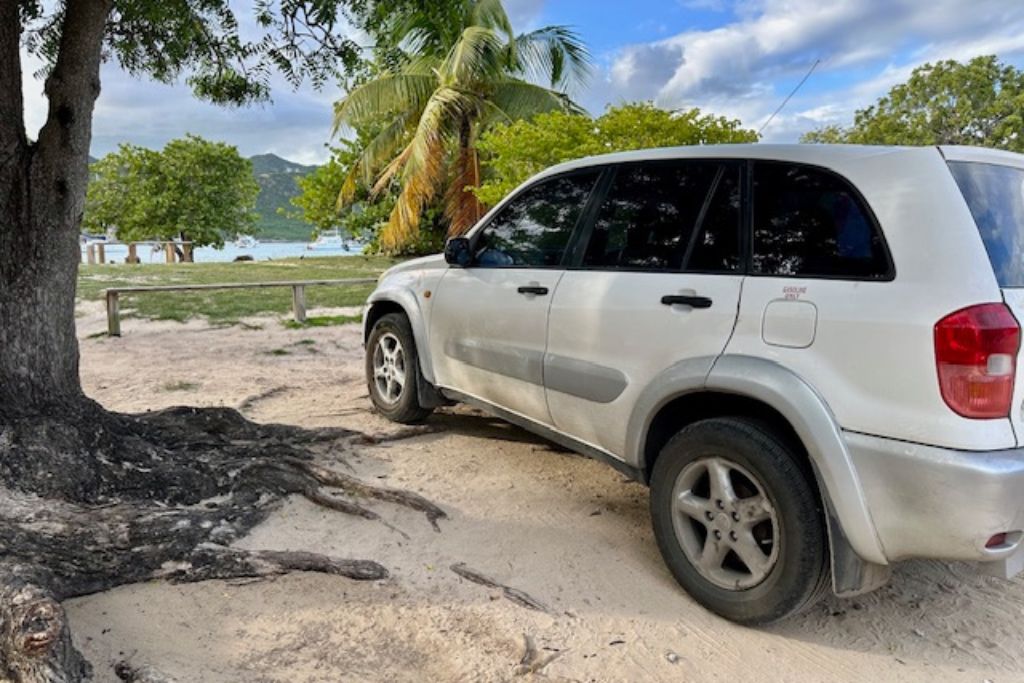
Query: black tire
[798, 576]
[404, 407]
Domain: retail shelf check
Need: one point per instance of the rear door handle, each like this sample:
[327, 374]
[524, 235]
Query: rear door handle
[532, 289]
[686, 300]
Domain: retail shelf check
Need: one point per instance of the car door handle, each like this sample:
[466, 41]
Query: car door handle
[686, 300]
[532, 289]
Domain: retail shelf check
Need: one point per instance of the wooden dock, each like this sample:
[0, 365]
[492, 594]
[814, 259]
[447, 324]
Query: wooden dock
[96, 252]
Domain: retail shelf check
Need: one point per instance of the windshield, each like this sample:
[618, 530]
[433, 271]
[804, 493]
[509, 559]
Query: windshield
[995, 195]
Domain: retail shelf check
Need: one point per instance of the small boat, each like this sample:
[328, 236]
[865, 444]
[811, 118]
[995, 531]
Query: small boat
[328, 240]
[246, 242]
[85, 239]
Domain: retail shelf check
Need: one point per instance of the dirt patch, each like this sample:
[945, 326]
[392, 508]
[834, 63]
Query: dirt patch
[569, 532]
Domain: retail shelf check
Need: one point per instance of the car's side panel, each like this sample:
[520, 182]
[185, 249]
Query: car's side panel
[871, 354]
[487, 338]
[610, 336]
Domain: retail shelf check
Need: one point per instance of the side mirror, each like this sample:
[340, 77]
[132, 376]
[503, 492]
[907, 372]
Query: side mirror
[458, 252]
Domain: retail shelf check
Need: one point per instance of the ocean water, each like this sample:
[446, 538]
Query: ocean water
[264, 251]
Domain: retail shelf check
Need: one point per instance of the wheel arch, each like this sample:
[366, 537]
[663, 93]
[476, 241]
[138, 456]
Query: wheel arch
[764, 390]
[382, 302]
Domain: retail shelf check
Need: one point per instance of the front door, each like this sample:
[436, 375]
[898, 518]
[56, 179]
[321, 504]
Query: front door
[488, 329]
[658, 282]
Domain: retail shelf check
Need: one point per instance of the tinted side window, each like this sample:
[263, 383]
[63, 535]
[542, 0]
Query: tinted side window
[995, 195]
[649, 215]
[808, 222]
[533, 229]
[716, 246]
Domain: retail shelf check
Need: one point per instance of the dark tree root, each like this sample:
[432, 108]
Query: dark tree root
[93, 500]
[514, 595]
[141, 674]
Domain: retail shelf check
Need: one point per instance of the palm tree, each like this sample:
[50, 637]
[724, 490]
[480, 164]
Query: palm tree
[459, 73]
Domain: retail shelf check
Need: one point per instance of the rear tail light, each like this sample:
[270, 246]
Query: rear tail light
[976, 356]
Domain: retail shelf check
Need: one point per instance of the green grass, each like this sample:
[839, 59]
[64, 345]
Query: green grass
[323, 321]
[229, 306]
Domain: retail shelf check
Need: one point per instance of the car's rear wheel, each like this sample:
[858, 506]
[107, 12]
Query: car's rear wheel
[392, 370]
[738, 520]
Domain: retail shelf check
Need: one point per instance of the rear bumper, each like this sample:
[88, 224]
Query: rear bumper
[939, 503]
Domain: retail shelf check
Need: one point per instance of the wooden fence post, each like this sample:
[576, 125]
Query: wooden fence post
[113, 314]
[90, 254]
[299, 303]
[101, 252]
[186, 248]
[169, 252]
[133, 253]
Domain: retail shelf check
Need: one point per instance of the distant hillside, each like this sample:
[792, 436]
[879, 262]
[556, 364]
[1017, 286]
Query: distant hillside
[276, 178]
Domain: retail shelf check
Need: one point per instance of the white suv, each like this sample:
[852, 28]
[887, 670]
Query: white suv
[810, 353]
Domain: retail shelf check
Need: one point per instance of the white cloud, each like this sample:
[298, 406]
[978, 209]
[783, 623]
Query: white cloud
[746, 67]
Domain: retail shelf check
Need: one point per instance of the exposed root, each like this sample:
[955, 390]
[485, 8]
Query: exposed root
[395, 496]
[398, 435]
[249, 402]
[142, 674]
[94, 500]
[531, 662]
[513, 594]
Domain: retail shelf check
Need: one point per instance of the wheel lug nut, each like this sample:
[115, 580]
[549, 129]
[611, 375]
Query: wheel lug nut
[735, 516]
[720, 504]
[732, 535]
[710, 515]
[718, 534]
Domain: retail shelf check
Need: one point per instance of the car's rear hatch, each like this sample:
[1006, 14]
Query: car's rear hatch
[992, 183]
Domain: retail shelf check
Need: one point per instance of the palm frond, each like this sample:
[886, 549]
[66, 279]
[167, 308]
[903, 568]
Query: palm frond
[421, 164]
[553, 54]
[384, 96]
[491, 14]
[518, 99]
[374, 155]
[475, 57]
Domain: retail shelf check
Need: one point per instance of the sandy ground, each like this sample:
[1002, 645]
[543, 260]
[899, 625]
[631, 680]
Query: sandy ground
[570, 532]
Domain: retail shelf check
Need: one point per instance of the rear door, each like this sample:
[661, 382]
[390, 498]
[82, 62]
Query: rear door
[488, 326]
[657, 280]
[993, 186]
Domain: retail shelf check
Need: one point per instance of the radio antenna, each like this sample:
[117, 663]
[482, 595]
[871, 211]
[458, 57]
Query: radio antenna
[789, 96]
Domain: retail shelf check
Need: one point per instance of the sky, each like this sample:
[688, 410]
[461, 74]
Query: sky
[737, 58]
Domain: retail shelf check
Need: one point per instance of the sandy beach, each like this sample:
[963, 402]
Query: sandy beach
[571, 533]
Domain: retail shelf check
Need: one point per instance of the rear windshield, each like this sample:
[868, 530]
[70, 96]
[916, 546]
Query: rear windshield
[995, 195]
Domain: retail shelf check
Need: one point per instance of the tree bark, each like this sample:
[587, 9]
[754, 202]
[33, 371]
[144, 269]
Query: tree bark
[44, 195]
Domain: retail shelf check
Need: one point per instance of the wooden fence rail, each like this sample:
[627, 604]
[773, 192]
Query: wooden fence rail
[113, 295]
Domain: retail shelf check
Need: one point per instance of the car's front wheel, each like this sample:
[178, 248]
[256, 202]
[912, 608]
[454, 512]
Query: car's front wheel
[738, 521]
[392, 370]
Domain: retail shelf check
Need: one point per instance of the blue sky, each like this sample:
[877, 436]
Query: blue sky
[738, 58]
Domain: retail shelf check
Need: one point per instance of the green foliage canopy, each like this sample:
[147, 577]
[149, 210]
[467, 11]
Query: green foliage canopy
[449, 71]
[317, 202]
[945, 103]
[516, 151]
[193, 189]
[201, 40]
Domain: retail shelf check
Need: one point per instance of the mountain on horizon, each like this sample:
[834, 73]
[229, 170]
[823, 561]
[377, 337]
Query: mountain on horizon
[277, 178]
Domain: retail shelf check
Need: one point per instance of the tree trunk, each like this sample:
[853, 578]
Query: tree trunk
[43, 187]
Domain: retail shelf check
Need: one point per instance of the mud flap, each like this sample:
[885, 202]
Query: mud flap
[851, 575]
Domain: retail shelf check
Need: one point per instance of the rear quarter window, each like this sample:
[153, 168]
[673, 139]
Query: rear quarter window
[995, 196]
[809, 222]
